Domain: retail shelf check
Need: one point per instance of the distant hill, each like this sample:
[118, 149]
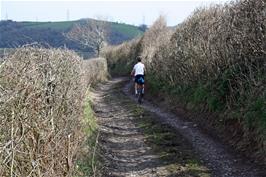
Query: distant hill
[14, 34]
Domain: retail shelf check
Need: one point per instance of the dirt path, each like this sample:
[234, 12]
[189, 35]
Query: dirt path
[145, 141]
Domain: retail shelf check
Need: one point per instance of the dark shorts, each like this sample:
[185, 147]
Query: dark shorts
[139, 79]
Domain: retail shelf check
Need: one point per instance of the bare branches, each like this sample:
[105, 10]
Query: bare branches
[90, 33]
[217, 54]
[41, 107]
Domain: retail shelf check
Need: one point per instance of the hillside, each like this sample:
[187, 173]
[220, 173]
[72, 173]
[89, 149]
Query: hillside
[125, 31]
[15, 34]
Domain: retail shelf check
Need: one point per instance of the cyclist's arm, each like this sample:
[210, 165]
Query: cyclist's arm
[132, 72]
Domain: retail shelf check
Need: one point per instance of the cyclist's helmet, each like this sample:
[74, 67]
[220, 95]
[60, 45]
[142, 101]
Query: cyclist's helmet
[138, 58]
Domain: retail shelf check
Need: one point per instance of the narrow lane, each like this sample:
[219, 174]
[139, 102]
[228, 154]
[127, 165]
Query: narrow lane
[146, 141]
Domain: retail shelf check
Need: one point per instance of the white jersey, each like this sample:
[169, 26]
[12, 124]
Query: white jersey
[139, 68]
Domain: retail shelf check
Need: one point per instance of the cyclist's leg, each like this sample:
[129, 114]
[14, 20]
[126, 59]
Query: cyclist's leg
[136, 88]
[139, 93]
[140, 87]
[136, 85]
[143, 85]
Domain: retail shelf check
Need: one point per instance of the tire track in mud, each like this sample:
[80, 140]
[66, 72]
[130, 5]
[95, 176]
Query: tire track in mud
[213, 153]
[146, 141]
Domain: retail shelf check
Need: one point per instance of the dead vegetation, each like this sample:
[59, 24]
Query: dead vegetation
[213, 62]
[90, 33]
[121, 57]
[41, 109]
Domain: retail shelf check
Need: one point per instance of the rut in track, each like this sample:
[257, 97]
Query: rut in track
[133, 145]
[137, 142]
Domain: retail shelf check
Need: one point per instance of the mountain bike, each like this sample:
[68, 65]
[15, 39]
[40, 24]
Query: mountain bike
[140, 88]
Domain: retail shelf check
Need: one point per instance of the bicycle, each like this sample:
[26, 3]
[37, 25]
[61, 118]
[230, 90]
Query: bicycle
[140, 90]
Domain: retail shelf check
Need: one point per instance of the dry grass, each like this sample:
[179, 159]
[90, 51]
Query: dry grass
[157, 36]
[94, 70]
[121, 57]
[41, 106]
[215, 60]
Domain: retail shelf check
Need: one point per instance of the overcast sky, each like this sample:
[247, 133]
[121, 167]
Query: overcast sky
[131, 12]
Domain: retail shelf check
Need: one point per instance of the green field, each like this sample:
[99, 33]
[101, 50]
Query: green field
[60, 26]
[125, 29]
[15, 34]
[129, 30]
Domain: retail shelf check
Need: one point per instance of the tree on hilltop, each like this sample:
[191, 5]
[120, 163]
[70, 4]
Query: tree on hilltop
[90, 33]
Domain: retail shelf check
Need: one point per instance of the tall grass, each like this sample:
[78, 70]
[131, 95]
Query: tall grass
[121, 57]
[213, 62]
[41, 109]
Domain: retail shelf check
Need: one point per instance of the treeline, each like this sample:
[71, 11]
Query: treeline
[16, 34]
[42, 93]
[214, 62]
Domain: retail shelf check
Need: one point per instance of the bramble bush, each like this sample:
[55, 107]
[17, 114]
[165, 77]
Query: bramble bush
[42, 94]
[214, 61]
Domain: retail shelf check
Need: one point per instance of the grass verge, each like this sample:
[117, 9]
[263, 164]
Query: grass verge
[171, 146]
[88, 160]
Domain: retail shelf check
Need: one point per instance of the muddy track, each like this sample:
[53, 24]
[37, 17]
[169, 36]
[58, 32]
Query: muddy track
[129, 150]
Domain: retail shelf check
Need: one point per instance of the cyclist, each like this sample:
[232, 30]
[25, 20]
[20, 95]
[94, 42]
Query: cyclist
[138, 72]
